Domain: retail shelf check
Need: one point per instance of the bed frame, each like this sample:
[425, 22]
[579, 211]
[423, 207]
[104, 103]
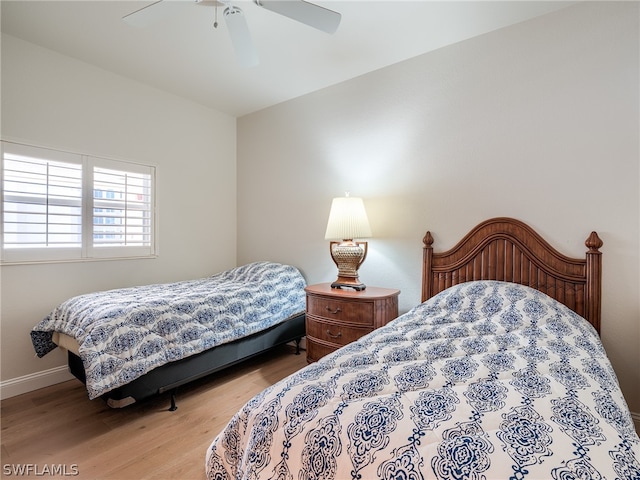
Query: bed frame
[168, 377]
[509, 250]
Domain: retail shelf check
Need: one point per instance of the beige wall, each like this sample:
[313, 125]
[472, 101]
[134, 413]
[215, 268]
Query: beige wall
[54, 101]
[538, 121]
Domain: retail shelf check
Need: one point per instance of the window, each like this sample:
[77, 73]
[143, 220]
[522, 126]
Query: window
[63, 206]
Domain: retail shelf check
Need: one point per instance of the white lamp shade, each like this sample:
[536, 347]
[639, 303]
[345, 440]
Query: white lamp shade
[347, 220]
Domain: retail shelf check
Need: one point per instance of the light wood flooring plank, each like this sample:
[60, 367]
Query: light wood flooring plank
[59, 425]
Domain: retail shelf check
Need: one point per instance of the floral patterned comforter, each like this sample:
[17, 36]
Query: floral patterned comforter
[123, 334]
[486, 380]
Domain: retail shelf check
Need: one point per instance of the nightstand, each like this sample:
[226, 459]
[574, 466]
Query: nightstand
[336, 317]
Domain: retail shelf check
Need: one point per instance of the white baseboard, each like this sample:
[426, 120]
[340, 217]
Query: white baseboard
[34, 381]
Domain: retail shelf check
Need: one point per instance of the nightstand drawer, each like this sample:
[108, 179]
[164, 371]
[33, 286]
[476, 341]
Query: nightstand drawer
[339, 310]
[334, 333]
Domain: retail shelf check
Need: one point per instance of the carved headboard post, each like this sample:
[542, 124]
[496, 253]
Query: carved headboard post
[594, 279]
[427, 278]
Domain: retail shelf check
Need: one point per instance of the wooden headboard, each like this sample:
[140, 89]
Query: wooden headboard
[509, 250]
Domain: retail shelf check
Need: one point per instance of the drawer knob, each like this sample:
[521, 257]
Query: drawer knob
[333, 312]
[332, 335]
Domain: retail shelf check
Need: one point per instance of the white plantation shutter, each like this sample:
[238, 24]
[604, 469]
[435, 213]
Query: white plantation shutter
[64, 206]
[41, 203]
[122, 208]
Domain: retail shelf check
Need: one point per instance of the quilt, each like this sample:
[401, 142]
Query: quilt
[124, 333]
[486, 380]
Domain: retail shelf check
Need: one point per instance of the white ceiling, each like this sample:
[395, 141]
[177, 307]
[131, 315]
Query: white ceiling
[184, 54]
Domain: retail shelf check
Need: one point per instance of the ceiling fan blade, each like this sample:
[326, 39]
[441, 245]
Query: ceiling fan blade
[240, 37]
[308, 13]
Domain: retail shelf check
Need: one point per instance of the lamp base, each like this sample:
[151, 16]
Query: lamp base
[348, 282]
[348, 256]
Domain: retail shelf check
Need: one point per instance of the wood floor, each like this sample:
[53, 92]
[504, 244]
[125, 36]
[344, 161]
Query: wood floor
[59, 426]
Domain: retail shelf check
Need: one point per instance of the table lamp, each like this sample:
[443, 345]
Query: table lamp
[347, 221]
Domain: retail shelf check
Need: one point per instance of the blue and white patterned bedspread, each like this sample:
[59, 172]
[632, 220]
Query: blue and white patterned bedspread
[123, 334]
[487, 380]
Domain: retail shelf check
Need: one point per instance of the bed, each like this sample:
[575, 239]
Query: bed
[132, 343]
[498, 374]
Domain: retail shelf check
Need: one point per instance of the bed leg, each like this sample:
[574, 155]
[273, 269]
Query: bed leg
[173, 406]
[298, 340]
